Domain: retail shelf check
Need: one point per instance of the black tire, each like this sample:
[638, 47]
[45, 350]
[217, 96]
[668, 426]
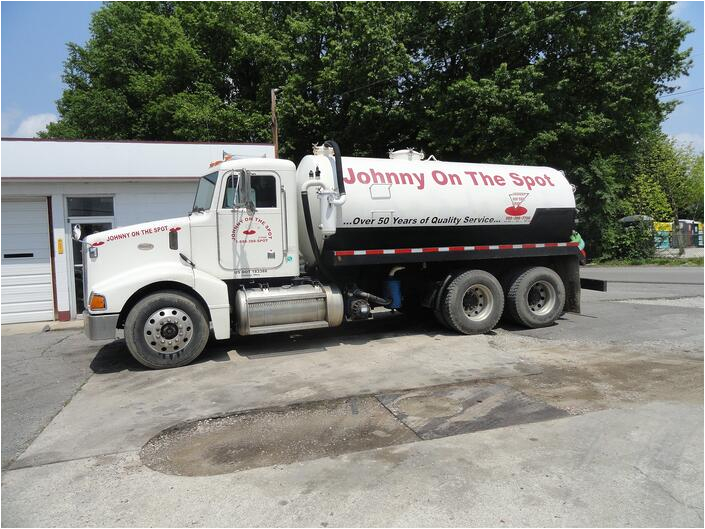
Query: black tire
[473, 302]
[185, 317]
[438, 313]
[535, 297]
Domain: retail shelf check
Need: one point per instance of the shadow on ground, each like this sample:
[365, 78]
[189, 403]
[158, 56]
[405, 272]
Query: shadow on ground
[115, 357]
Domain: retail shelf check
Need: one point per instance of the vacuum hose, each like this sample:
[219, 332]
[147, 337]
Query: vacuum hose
[371, 297]
[309, 228]
[338, 164]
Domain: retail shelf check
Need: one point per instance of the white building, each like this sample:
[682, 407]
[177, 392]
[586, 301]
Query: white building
[50, 185]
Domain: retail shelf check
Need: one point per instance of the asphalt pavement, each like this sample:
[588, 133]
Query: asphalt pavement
[595, 421]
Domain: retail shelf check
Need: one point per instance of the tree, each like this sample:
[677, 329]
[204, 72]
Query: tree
[573, 85]
[645, 197]
[695, 209]
[677, 171]
[669, 175]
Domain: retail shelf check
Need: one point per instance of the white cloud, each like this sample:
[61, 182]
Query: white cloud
[688, 138]
[31, 125]
[9, 120]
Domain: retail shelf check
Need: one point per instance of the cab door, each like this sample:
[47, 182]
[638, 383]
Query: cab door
[251, 243]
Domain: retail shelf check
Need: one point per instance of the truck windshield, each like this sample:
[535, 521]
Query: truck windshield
[204, 193]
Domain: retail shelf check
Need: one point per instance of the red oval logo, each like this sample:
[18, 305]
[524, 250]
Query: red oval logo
[249, 232]
[515, 211]
[99, 243]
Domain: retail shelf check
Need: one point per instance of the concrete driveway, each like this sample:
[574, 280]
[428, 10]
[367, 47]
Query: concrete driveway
[597, 420]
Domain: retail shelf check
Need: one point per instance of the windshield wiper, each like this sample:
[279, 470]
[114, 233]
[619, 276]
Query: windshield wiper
[198, 209]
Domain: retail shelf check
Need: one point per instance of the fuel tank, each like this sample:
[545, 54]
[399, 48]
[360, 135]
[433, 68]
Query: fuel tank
[403, 203]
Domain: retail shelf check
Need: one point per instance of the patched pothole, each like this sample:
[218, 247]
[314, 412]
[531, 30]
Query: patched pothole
[306, 431]
[274, 436]
[475, 407]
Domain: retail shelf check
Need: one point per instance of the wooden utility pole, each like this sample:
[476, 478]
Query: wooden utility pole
[275, 128]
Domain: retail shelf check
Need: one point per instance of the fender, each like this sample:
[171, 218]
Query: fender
[215, 292]
[118, 289]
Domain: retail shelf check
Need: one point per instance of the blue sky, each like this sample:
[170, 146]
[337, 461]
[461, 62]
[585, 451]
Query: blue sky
[34, 37]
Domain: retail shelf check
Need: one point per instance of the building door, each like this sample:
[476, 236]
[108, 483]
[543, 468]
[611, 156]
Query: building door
[27, 292]
[93, 214]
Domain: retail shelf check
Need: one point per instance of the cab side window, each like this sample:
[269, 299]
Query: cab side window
[263, 191]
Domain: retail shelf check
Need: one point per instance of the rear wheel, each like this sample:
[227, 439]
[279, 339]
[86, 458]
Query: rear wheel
[438, 313]
[473, 302]
[535, 297]
[166, 329]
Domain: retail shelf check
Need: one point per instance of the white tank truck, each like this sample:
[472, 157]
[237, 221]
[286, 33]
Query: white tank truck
[272, 247]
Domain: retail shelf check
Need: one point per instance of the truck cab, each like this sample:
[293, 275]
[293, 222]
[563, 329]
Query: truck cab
[256, 234]
[243, 227]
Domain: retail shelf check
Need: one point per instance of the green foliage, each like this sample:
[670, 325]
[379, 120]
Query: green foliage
[668, 182]
[693, 208]
[645, 197]
[660, 261]
[573, 85]
[634, 241]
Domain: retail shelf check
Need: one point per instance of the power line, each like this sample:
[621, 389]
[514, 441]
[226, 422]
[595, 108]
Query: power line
[684, 92]
[461, 50]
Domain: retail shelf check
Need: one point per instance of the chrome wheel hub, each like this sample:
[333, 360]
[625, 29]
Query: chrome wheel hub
[478, 302]
[168, 330]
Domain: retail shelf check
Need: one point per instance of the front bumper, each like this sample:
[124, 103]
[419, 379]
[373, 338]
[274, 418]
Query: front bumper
[100, 326]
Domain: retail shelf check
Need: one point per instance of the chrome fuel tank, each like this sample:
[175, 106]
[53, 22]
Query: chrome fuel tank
[287, 308]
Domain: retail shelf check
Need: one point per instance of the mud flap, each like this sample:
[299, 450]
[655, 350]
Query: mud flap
[593, 284]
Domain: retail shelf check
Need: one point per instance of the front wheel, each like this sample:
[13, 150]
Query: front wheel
[166, 329]
[473, 302]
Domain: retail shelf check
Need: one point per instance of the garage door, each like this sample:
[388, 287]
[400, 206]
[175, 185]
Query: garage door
[26, 266]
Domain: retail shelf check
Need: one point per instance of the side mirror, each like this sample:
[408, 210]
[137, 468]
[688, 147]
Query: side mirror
[76, 232]
[243, 192]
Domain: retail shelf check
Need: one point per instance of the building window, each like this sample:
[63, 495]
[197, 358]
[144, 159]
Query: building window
[90, 206]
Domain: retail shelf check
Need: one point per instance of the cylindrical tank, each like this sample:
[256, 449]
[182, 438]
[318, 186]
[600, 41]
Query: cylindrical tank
[263, 310]
[402, 203]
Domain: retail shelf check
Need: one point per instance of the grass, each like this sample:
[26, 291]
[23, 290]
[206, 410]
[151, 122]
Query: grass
[654, 261]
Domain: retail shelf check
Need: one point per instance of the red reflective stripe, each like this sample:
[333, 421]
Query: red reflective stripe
[345, 253]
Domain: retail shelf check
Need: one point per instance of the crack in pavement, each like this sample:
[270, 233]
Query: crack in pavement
[51, 346]
[669, 493]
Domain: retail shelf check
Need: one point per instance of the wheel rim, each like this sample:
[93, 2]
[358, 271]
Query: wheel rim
[168, 330]
[478, 302]
[541, 298]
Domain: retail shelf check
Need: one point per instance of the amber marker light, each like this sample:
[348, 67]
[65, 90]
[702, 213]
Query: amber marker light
[97, 302]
